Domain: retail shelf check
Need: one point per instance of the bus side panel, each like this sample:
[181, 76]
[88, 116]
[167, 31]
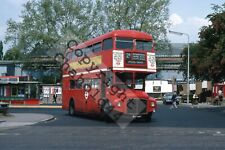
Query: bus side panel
[65, 98]
[93, 101]
[72, 94]
[78, 97]
[106, 59]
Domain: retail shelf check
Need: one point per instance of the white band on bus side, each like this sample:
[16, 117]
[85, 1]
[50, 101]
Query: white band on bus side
[117, 69]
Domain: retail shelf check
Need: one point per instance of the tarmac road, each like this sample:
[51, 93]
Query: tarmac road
[182, 128]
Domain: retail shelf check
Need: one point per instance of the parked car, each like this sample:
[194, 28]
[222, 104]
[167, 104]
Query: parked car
[167, 99]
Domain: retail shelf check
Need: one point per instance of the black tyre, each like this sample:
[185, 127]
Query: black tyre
[106, 110]
[106, 107]
[71, 108]
[147, 117]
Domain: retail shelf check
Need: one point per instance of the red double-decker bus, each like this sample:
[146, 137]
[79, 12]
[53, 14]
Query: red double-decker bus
[106, 75]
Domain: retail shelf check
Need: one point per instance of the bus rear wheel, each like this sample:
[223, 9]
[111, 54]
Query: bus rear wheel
[71, 108]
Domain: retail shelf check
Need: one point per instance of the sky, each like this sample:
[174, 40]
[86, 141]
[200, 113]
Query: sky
[186, 16]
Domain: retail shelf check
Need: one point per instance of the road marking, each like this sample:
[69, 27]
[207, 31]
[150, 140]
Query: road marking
[218, 133]
[5, 134]
[201, 132]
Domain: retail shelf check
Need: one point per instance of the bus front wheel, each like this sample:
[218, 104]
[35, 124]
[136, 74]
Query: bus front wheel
[147, 117]
[71, 108]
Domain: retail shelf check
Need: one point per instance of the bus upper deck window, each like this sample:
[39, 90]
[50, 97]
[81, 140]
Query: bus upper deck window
[124, 43]
[97, 47]
[143, 45]
[88, 50]
[107, 44]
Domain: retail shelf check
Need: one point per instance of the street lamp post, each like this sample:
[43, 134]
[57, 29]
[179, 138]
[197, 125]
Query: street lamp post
[188, 64]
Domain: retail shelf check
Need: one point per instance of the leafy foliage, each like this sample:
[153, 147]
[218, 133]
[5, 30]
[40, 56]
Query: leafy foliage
[207, 58]
[13, 54]
[144, 15]
[47, 25]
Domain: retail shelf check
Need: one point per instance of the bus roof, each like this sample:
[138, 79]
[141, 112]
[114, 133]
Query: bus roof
[116, 33]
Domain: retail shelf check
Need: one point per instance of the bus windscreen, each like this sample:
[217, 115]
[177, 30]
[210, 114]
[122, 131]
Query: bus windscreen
[143, 45]
[124, 43]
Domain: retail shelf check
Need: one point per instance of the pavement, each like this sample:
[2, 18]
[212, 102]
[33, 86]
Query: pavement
[202, 105]
[199, 105]
[13, 120]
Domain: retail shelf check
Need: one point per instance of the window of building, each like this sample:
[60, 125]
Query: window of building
[21, 91]
[13, 79]
[124, 43]
[25, 78]
[143, 45]
[2, 90]
[107, 44]
[14, 91]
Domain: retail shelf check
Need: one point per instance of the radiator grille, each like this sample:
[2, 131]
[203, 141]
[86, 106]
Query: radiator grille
[136, 106]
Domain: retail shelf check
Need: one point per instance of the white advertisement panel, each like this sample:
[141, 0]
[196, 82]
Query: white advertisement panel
[118, 59]
[158, 87]
[151, 61]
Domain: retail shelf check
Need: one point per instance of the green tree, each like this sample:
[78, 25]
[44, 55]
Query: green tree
[150, 16]
[207, 57]
[1, 50]
[197, 65]
[47, 25]
[13, 54]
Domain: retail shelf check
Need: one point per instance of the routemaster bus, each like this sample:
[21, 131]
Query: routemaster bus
[106, 75]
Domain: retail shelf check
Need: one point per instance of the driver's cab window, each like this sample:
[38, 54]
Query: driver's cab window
[125, 80]
[140, 81]
[139, 84]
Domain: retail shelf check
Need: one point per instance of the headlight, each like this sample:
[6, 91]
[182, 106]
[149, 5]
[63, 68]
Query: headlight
[152, 104]
[119, 104]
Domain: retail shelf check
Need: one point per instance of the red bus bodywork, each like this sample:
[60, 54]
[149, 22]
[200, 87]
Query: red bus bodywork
[107, 74]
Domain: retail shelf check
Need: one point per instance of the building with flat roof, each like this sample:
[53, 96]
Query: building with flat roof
[16, 86]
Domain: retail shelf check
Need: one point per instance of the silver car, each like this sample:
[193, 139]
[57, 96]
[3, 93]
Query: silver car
[167, 98]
